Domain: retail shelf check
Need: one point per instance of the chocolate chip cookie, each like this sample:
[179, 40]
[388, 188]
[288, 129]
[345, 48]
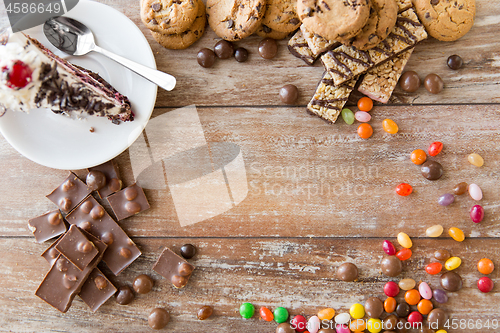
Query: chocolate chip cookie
[281, 15]
[265, 32]
[334, 19]
[235, 19]
[446, 20]
[382, 19]
[168, 16]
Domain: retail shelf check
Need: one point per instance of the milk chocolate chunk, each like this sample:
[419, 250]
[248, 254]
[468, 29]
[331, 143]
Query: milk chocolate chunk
[47, 226]
[69, 194]
[113, 183]
[121, 250]
[128, 202]
[173, 268]
[96, 290]
[75, 247]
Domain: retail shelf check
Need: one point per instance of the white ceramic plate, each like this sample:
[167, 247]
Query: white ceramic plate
[59, 142]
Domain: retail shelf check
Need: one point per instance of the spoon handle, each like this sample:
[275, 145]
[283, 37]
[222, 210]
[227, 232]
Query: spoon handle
[163, 80]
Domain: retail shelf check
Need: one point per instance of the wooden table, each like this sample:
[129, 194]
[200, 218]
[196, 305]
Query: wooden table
[282, 244]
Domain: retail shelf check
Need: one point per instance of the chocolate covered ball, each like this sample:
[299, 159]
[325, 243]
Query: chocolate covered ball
[432, 170]
[143, 284]
[454, 62]
[206, 58]
[433, 83]
[284, 328]
[347, 272]
[96, 180]
[125, 295]
[204, 312]
[241, 54]
[437, 317]
[158, 318]
[327, 330]
[374, 307]
[188, 251]
[268, 48]
[451, 281]
[289, 94]
[390, 322]
[391, 266]
[224, 49]
[409, 81]
[403, 309]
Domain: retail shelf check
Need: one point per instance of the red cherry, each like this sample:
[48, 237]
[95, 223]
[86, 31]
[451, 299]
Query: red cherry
[19, 75]
[435, 148]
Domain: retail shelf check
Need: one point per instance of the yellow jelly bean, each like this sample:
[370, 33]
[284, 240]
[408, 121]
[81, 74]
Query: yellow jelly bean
[390, 126]
[475, 159]
[441, 331]
[357, 311]
[326, 314]
[407, 284]
[404, 240]
[374, 325]
[434, 231]
[456, 234]
[453, 263]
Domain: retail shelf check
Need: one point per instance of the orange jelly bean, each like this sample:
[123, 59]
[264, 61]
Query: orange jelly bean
[365, 104]
[365, 131]
[404, 189]
[326, 314]
[266, 314]
[425, 306]
[390, 304]
[404, 254]
[412, 297]
[390, 126]
[357, 325]
[434, 268]
[418, 156]
[485, 266]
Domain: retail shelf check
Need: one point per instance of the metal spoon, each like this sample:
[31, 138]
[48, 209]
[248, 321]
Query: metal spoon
[74, 38]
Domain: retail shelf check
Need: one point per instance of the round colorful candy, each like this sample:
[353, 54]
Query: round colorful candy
[440, 296]
[266, 314]
[425, 291]
[456, 234]
[348, 116]
[446, 199]
[357, 325]
[415, 318]
[453, 263]
[326, 314]
[389, 248]
[434, 231]
[412, 297]
[390, 304]
[475, 192]
[404, 189]
[425, 306]
[434, 268]
[342, 328]
[477, 213]
[362, 116]
[280, 315]
[391, 289]
[404, 254]
[485, 284]
[365, 131]
[435, 148]
[299, 322]
[404, 240]
[485, 266]
[357, 311]
[460, 188]
[365, 104]
[374, 325]
[476, 159]
[418, 156]
[390, 126]
[407, 284]
[313, 324]
[247, 310]
[342, 318]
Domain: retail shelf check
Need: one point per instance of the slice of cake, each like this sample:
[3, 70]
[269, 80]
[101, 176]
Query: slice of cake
[31, 77]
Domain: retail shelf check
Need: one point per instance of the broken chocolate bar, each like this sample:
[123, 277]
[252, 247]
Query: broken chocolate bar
[96, 290]
[47, 226]
[173, 268]
[69, 194]
[113, 182]
[75, 247]
[128, 202]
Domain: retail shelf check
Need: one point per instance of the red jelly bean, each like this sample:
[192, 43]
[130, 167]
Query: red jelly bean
[415, 318]
[404, 189]
[389, 248]
[300, 323]
[391, 289]
[435, 148]
[266, 314]
[485, 284]
[477, 213]
[404, 254]
[434, 268]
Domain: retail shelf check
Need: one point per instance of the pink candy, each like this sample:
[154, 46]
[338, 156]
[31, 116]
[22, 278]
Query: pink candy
[389, 248]
[362, 116]
[391, 289]
[344, 328]
[424, 290]
[477, 213]
[475, 192]
[313, 324]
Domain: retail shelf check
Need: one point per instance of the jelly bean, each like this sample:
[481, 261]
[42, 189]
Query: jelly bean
[441, 331]
[407, 284]
[404, 240]
[412, 297]
[348, 116]
[313, 324]
[435, 148]
[456, 234]
[357, 311]
[442, 254]
[477, 213]
[299, 322]
[342, 318]
[390, 304]
[343, 328]
[326, 314]
[357, 325]
[390, 126]
[475, 192]
[391, 289]
[365, 104]
[247, 310]
[434, 231]
[485, 284]
[425, 291]
[280, 315]
[404, 254]
[425, 306]
[453, 263]
[434, 268]
[446, 199]
[365, 131]
[460, 188]
[440, 296]
[485, 266]
[374, 325]
[389, 248]
[266, 314]
[362, 116]
[475, 159]
[415, 318]
[404, 189]
[418, 156]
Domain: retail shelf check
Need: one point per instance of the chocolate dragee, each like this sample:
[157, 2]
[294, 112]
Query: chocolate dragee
[113, 182]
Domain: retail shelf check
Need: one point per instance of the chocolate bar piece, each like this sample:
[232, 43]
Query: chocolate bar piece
[173, 268]
[96, 290]
[128, 202]
[69, 194]
[113, 182]
[64, 280]
[47, 226]
[328, 100]
[316, 43]
[91, 217]
[51, 254]
[379, 82]
[345, 63]
[297, 46]
[75, 247]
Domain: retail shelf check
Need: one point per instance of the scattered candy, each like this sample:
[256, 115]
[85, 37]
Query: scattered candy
[280, 315]
[390, 305]
[374, 325]
[247, 310]
[362, 116]
[446, 199]
[433, 83]
[326, 314]
[475, 192]
[204, 312]
[477, 213]
[453, 263]
[313, 324]
[289, 94]
[390, 126]
[357, 311]
[456, 234]
[348, 116]
[268, 48]
[365, 131]
[342, 318]
[266, 314]
[409, 81]
[403, 309]
[434, 268]
[442, 254]
[374, 307]
[391, 289]
[435, 148]
[299, 322]
[412, 297]
[434, 231]
[343, 328]
[404, 189]
[241, 54]
[404, 254]
[476, 159]
[485, 284]
[451, 281]
[418, 156]
[460, 188]
[425, 306]
[441, 331]
[389, 248]
[432, 170]
[347, 272]
[485, 266]
[425, 291]
[404, 240]
[391, 266]
[415, 318]
[437, 318]
[440, 296]
[454, 62]
[407, 284]
[365, 104]
[205, 58]
[357, 325]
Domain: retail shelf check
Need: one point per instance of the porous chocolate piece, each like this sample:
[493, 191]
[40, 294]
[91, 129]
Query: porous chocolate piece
[113, 182]
[128, 202]
[47, 226]
[297, 45]
[96, 290]
[173, 268]
[91, 217]
[69, 194]
[75, 247]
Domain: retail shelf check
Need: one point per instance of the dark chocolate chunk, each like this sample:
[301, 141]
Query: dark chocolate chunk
[125, 295]
[96, 290]
[128, 202]
[241, 54]
[47, 226]
[173, 268]
[156, 6]
[69, 194]
[75, 247]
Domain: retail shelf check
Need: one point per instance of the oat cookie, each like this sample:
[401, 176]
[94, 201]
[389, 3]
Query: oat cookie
[235, 19]
[168, 16]
[334, 19]
[281, 15]
[185, 38]
[382, 19]
[446, 20]
[265, 32]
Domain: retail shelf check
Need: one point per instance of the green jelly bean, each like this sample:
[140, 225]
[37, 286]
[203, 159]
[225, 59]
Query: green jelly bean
[348, 116]
[247, 310]
[280, 315]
